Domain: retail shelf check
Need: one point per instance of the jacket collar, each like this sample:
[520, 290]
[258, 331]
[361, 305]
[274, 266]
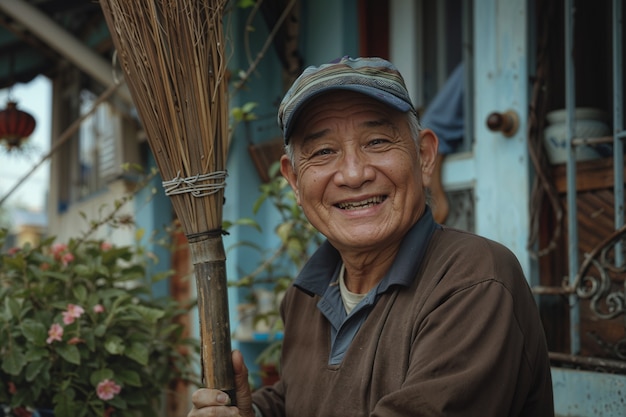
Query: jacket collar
[323, 267]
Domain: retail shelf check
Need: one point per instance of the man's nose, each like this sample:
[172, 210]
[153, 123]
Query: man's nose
[354, 169]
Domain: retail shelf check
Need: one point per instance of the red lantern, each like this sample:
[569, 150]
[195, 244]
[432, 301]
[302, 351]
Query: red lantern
[15, 125]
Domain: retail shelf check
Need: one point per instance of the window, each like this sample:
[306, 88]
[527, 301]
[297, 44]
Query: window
[98, 148]
[105, 140]
[427, 40]
[445, 44]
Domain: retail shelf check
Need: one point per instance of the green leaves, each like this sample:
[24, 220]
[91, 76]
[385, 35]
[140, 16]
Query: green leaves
[73, 315]
[13, 361]
[136, 351]
[244, 4]
[152, 315]
[66, 405]
[139, 353]
[80, 293]
[11, 308]
[297, 239]
[128, 377]
[114, 345]
[100, 375]
[244, 113]
[34, 331]
[68, 352]
[33, 369]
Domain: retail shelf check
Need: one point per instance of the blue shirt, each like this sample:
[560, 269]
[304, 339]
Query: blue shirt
[444, 115]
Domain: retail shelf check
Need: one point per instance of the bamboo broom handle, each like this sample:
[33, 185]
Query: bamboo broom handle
[209, 261]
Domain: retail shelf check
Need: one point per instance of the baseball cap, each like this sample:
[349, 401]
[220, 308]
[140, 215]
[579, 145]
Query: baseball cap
[374, 77]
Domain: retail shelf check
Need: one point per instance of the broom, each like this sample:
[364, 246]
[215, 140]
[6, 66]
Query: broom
[172, 55]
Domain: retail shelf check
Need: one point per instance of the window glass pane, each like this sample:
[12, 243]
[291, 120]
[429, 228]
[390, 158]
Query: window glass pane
[87, 151]
[446, 38]
[97, 145]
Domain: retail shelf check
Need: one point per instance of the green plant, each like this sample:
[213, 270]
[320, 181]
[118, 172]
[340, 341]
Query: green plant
[279, 265]
[81, 333]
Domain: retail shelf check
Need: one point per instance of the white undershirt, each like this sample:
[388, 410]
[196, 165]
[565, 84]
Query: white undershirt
[350, 299]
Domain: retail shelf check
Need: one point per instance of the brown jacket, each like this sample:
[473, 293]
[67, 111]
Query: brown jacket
[464, 340]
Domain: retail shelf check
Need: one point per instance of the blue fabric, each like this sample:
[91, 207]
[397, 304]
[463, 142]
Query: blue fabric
[321, 273]
[444, 115]
[343, 327]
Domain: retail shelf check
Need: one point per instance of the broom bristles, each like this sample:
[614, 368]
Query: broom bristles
[172, 53]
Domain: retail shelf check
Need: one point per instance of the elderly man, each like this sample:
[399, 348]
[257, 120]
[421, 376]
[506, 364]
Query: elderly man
[394, 315]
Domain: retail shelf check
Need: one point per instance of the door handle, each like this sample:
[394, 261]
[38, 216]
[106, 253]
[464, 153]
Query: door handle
[507, 122]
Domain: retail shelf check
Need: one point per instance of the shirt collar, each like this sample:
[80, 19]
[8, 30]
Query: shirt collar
[323, 267]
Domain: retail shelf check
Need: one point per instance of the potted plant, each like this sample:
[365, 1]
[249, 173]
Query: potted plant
[81, 333]
[278, 266]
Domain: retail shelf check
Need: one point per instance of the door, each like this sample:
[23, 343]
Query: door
[487, 177]
[493, 179]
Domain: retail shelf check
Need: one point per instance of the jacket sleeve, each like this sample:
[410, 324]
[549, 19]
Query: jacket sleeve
[467, 359]
[269, 401]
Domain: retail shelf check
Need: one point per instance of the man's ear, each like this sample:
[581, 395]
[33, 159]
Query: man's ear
[429, 144]
[286, 168]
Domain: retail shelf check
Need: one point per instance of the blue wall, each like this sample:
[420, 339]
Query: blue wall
[154, 214]
[584, 393]
[242, 190]
[328, 30]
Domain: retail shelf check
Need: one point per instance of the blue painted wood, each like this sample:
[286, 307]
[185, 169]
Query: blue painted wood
[502, 164]
[588, 394]
[330, 30]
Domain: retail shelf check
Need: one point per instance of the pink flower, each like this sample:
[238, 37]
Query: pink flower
[55, 333]
[67, 318]
[98, 308]
[13, 251]
[73, 312]
[107, 389]
[105, 246]
[67, 258]
[75, 341]
[60, 253]
[58, 249]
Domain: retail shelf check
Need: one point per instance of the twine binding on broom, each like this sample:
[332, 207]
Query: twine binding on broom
[194, 184]
[209, 234]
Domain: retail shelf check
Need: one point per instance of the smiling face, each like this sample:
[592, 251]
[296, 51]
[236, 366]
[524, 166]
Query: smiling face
[357, 172]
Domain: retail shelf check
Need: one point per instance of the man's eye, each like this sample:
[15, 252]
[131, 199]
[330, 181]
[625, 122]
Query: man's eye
[321, 152]
[378, 141]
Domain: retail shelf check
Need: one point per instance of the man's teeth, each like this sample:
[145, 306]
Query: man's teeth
[361, 204]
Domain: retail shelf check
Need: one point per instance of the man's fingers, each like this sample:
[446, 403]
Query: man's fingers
[240, 368]
[206, 397]
[244, 398]
[212, 402]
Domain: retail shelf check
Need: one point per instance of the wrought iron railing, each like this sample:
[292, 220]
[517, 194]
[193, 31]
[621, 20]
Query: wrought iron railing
[599, 280]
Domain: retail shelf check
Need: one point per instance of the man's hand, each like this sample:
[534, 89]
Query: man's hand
[214, 403]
